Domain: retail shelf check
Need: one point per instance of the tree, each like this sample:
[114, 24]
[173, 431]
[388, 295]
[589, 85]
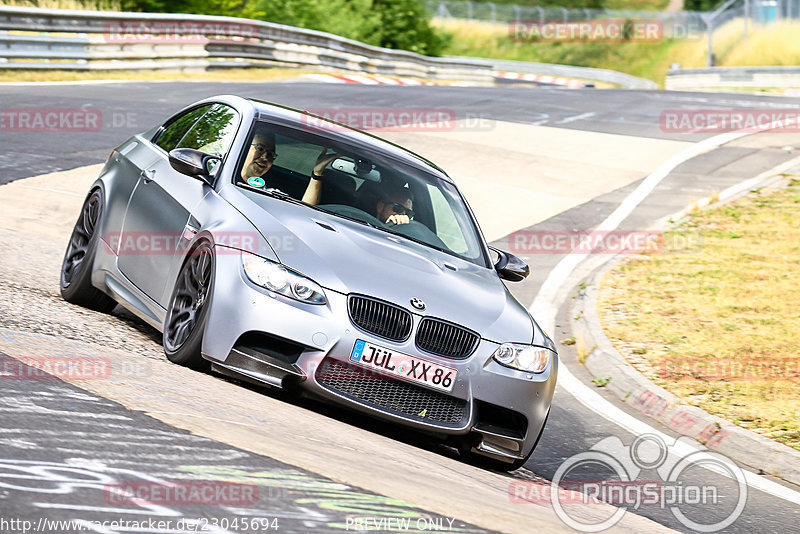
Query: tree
[405, 25]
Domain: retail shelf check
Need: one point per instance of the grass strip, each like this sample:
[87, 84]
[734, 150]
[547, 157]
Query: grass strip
[718, 324]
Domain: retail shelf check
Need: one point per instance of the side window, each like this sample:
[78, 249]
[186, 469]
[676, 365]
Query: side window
[214, 132]
[176, 129]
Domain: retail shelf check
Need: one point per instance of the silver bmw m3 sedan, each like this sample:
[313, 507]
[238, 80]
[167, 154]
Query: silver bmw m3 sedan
[283, 249]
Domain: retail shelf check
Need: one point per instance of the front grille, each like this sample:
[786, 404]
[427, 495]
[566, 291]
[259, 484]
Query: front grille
[380, 318]
[389, 394]
[445, 339]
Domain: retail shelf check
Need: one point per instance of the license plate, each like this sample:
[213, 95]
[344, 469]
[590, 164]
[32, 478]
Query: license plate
[393, 363]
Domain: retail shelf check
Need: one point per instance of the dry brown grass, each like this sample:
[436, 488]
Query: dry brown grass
[771, 45]
[691, 321]
[776, 44]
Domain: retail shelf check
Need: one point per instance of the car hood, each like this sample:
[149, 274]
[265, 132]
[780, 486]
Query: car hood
[348, 257]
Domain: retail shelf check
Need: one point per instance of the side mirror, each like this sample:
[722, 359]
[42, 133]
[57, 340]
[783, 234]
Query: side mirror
[193, 163]
[510, 267]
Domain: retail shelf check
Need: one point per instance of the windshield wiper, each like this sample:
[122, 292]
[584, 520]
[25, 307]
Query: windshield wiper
[277, 193]
[360, 221]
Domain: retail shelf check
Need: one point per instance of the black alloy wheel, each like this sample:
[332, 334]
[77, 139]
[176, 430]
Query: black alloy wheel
[76, 269]
[186, 315]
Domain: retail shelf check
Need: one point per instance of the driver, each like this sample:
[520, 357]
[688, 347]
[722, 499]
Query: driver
[395, 206]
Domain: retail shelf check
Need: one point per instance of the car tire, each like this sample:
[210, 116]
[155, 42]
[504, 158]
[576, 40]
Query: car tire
[76, 268]
[187, 312]
[499, 465]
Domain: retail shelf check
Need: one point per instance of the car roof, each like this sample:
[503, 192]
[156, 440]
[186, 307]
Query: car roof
[284, 115]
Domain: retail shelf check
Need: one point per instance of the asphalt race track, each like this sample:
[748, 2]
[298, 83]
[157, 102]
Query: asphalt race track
[314, 467]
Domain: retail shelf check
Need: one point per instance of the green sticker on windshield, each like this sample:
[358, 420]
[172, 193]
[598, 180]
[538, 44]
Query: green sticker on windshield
[256, 181]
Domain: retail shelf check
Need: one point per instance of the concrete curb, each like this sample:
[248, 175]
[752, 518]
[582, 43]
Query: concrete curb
[603, 361]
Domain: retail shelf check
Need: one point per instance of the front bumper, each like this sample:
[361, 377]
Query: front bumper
[501, 409]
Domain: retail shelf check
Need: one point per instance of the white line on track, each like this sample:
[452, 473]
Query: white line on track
[574, 118]
[545, 307]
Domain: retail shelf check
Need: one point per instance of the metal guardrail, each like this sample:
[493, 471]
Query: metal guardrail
[97, 40]
[34, 47]
[250, 41]
[730, 77]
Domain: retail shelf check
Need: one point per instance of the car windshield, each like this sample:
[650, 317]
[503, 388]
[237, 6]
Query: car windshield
[360, 184]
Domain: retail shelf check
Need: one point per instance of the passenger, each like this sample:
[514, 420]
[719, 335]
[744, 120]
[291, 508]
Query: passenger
[259, 158]
[314, 188]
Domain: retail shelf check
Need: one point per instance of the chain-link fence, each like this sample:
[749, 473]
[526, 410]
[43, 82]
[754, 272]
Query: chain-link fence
[672, 24]
[505, 13]
[758, 12]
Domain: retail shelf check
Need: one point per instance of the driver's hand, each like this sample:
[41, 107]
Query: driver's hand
[398, 219]
[322, 161]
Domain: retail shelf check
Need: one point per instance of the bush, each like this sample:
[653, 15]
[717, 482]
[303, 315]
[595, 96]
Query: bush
[401, 24]
[354, 19]
[405, 25]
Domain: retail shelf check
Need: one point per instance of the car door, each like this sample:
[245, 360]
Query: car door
[160, 208]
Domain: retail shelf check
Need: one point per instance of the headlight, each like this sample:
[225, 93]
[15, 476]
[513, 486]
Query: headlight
[523, 357]
[279, 279]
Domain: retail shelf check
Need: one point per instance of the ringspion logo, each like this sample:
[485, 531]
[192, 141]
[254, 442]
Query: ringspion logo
[614, 473]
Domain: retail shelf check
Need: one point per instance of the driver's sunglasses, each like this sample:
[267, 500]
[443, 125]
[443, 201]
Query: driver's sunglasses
[401, 210]
[261, 149]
